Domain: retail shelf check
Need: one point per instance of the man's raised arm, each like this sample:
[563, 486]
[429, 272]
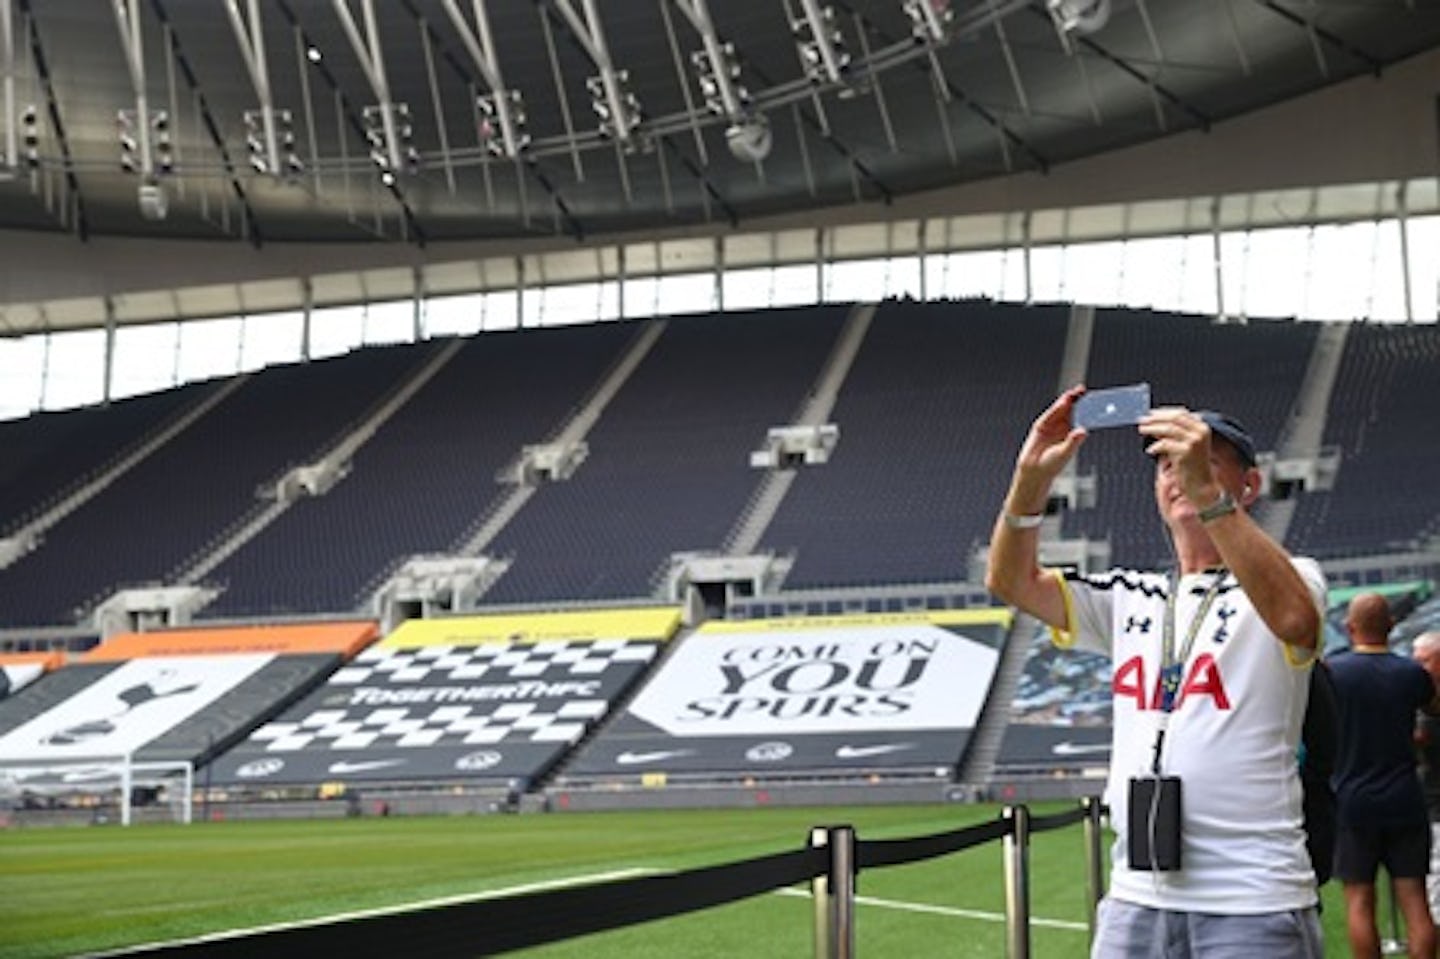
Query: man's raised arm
[1013, 572]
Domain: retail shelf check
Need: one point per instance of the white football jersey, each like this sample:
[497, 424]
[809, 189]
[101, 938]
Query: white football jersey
[1232, 737]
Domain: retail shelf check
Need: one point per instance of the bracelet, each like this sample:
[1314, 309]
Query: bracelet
[1029, 521]
[1224, 505]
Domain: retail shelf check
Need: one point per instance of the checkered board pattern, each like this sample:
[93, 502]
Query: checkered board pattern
[316, 724]
[553, 661]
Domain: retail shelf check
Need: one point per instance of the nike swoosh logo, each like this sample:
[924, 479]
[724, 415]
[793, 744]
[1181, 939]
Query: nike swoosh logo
[363, 766]
[1068, 748]
[628, 758]
[862, 752]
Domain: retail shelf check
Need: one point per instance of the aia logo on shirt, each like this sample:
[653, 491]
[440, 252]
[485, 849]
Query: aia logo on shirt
[1203, 679]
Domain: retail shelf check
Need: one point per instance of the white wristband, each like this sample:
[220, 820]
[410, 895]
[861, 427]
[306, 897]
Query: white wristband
[1022, 522]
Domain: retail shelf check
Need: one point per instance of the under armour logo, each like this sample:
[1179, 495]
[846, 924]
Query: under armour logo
[1137, 624]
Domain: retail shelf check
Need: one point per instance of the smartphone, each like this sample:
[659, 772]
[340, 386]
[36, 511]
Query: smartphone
[1117, 406]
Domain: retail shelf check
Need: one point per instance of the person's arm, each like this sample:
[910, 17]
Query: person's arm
[1424, 652]
[1269, 577]
[1013, 572]
[1264, 570]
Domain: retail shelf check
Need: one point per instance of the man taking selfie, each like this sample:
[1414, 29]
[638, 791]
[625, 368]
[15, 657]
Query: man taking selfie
[1211, 673]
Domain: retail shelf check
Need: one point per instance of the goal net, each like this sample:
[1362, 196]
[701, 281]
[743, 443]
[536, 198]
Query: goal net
[159, 789]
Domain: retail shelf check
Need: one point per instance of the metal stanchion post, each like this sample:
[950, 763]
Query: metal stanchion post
[125, 780]
[820, 898]
[842, 892]
[1094, 863]
[1017, 883]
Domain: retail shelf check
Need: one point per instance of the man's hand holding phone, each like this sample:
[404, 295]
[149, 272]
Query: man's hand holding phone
[1109, 408]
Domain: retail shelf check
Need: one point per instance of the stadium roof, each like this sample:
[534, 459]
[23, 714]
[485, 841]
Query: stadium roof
[956, 124]
[935, 93]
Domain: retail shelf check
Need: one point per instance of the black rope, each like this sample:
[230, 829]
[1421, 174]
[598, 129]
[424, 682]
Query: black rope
[490, 926]
[485, 927]
[877, 853]
[1058, 820]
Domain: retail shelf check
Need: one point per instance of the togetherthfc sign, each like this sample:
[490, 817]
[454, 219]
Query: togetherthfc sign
[492, 698]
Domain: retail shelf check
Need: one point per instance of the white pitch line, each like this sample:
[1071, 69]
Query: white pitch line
[945, 910]
[540, 886]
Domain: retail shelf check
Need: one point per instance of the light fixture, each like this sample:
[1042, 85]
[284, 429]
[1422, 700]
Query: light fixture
[750, 140]
[622, 126]
[929, 19]
[129, 146]
[822, 51]
[1079, 16]
[164, 151]
[288, 162]
[30, 123]
[405, 138]
[154, 199]
[312, 53]
[492, 125]
[255, 141]
[385, 155]
[291, 162]
[718, 81]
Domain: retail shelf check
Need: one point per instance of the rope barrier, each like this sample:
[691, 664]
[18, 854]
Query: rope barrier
[878, 853]
[1058, 820]
[489, 926]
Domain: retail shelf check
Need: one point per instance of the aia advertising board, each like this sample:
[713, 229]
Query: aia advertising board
[870, 692]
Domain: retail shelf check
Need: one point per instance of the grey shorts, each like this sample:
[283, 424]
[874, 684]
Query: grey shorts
[1124, 930]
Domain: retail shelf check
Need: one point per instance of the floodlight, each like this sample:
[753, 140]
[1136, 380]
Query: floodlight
[750, 140]
[154, 201]
[1079, 16]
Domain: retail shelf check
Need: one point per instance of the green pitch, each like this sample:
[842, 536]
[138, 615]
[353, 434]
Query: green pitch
[70, 890]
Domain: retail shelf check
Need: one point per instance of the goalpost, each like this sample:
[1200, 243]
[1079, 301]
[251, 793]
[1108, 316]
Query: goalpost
[98, 776]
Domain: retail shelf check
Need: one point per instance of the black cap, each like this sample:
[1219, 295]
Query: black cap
[1230, 430]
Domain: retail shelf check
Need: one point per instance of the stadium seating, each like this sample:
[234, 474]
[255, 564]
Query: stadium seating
[668, 465]
[425, 476]
[929, 415]
[1382, 418]
[48, 454]
[929, 418]
[179, 499]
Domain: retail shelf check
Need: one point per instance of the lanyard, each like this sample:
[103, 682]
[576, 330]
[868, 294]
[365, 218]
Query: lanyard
[1172, 662]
